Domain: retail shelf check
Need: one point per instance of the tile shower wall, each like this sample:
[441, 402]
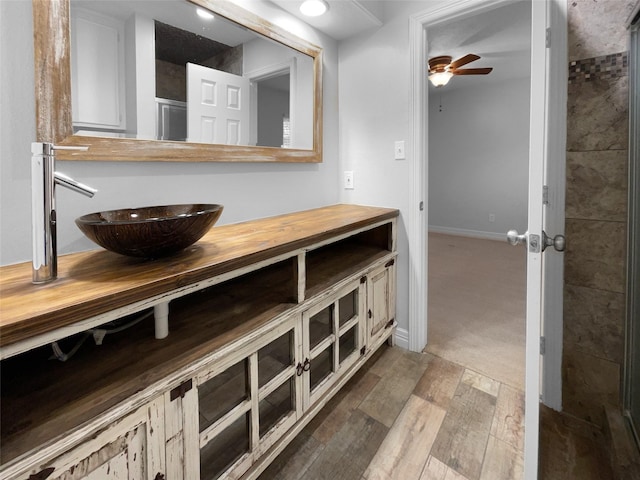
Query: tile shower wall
[595, 260]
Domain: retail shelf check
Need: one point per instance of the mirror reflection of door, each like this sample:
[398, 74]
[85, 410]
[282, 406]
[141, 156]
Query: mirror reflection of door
[217, 106]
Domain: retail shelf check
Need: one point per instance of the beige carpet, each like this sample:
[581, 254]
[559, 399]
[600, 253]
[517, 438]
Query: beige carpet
[476, 305]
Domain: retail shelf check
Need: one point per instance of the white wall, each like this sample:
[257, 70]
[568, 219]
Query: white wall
[478, 158]
[374, 112]
[246, 190]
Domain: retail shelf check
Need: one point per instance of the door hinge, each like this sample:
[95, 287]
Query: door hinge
[421, 206]
[389, 263]
[363, 350]
[389, 323]
[363, 279]
[545, 194]
[543, 345]
[180, 390]
[547, 38]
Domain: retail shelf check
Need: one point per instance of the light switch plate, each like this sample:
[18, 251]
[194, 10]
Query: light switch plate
[348, 180]
[399, 150]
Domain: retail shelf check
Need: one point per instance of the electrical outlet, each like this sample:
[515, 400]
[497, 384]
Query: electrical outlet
[348, 180]
[492, 217]
[398, 150]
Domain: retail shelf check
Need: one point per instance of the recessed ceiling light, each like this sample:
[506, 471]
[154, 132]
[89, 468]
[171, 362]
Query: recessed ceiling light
[314, 8]
[202, 13]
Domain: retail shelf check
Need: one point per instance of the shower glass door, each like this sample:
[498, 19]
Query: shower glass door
[632, 366]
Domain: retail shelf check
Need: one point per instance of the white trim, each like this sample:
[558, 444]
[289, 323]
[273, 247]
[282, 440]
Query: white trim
[269, 71]
[463, 232]
[416, 220]
[401, 338]
[365, 11]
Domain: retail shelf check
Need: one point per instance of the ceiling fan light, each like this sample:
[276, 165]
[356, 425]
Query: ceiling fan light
[314, 8]
[439, 79]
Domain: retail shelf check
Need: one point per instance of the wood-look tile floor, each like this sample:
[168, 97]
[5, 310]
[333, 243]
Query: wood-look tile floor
[457, 411]
[407, 416]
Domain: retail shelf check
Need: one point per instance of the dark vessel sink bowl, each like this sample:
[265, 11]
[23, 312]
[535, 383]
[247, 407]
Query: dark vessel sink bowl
[150, 232]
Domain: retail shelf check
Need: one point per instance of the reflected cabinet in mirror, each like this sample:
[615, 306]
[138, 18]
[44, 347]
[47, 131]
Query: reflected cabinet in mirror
[174, 80]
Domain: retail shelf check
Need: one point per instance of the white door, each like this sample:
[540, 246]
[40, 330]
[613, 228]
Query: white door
[546, 210]
[217, 106]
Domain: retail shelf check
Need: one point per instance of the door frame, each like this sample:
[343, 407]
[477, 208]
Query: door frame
[264, 73]
[552, 141]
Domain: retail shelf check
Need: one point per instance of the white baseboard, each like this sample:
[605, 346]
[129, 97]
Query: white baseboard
[463, 232]
[402, 338]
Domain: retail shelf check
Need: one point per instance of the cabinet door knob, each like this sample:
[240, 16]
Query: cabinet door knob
[307, 365]
[299, 369]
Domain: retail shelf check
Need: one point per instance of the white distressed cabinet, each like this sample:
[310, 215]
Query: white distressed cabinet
[267, 321]
[97, 70]
[130, 448]
[381, 302]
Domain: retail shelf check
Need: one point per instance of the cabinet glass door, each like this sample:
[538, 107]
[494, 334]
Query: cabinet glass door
[277, 383]
[334, 337]
[245, 408]
[224, 411]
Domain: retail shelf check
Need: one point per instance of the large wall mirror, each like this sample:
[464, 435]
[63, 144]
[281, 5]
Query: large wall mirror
[174, 80]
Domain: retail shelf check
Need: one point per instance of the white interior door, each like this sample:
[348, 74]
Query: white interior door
[217, 106]
[546, 208]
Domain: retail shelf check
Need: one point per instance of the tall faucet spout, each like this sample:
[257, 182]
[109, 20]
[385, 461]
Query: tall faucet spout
[43, 208]
[68, 182]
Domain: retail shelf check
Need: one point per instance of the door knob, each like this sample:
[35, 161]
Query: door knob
[558, 242]
[514, 239]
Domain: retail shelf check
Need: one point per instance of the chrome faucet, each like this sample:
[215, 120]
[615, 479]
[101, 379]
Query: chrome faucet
[43, 208]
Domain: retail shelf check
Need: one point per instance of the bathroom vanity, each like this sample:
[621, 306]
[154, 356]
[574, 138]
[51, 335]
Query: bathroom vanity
[267, 321]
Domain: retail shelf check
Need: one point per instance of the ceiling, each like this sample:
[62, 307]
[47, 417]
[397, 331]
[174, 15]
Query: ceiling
[501, 36]
[344, 19]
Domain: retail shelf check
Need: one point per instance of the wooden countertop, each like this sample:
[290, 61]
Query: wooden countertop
[98, 281]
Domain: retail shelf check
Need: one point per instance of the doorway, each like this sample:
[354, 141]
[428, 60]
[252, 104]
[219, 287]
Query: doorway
[546, 165]
[478, 180]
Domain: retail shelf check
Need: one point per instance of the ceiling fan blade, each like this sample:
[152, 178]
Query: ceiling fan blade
[472, 71]
[468, 58]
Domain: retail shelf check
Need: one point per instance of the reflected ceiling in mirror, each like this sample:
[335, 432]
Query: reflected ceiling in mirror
[153, 80]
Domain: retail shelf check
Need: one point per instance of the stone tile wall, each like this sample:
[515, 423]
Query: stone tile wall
[595, 260]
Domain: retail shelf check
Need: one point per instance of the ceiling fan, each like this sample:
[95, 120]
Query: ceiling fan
[441, 68]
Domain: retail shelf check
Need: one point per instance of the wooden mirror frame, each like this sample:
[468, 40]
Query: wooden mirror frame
[52, 53]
